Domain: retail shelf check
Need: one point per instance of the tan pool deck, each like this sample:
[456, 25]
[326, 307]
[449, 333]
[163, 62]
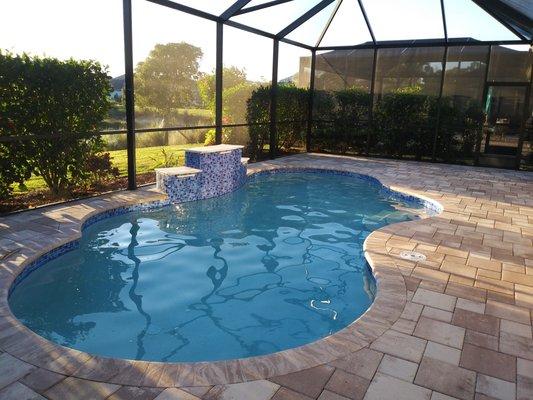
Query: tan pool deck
[457, 325]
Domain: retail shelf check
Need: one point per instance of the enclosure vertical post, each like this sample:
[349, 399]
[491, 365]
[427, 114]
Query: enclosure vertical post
[371, 109]
[522, 134]
[274, 100]
[310, 102]
[483, 99]
[442, 77]
[439, 104]
[129, 93]
[218, 82]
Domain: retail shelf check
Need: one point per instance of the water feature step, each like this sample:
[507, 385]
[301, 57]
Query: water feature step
[176, 172]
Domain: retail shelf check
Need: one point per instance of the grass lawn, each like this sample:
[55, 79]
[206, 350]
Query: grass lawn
[148, 158]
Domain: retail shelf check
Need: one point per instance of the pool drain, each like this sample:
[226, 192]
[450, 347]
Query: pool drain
[412, 256]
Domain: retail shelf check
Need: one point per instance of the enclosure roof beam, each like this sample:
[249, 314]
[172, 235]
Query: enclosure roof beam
[326, 27]
[367, 21]
[305, 17]
[421, 43]
[444, 24]
[256, 31]
[233, 9]
[261, 6]
[489, 10]
[186, 9]
[216, 18]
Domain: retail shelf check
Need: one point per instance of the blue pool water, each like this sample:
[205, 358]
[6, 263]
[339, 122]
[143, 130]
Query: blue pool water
[274, 265]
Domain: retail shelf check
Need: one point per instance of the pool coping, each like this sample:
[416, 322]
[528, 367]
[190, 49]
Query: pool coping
[19, 341]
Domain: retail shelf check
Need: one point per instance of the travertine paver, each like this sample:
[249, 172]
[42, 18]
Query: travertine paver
[434, 299]
[385, 387]
[12, 369]
[440, 332]
[524, 388]
[288, 394]
[255, 390]
[398, 368]
[17, 391]
[137, 393]
[400, 345]
[363, 363]
[348, 385]
[495, 387]
[41, 379]
[327, 395]
[79, 388]
[476, 322]
[457, 325]
[309, 382]
[175, 394]
[446, 378]
[489, 362]
[443, 353]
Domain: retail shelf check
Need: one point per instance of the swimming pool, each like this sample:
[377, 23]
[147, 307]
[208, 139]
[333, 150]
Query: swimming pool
[271, 266]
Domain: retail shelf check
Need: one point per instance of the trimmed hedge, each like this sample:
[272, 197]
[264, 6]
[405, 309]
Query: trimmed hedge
[403, 123]
[39, 97]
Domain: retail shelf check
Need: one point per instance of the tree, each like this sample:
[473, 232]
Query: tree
[167, 79]
[232, 77]
[58, 105]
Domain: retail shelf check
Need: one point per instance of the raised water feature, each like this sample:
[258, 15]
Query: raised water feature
[208, 172]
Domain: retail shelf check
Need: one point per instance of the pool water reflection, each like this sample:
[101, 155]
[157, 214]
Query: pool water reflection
[274, 265]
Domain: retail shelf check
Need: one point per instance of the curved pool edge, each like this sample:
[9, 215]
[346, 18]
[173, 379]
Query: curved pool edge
[16, 339]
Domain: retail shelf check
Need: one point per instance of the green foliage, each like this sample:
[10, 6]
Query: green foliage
[167, 79]
[258, 112]
[45, 96]
[345, 114]
[227, 133]
[293, 106]
[14, 167]
[292, 110]
[232, 77]
[100, 169]
[460, 127]
[234, 104]
[166, 159]
[404, 123]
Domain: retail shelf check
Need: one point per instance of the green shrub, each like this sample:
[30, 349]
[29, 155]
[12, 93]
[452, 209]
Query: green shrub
[46, 96]
[404, 123]
[345, 114]
[258, 112]
[210, 136]
[459, 129]
[101, 169]
[14, 167]
[292, 111]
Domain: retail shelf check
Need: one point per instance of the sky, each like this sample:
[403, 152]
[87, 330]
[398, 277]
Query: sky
[92, 29]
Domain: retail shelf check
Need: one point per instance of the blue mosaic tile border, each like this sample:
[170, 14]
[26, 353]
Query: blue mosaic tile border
[431, 207]
[74, 244]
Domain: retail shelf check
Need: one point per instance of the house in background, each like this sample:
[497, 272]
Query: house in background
[117, 85]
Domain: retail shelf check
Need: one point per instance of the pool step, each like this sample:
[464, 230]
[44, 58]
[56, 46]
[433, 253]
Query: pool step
[174, 172]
